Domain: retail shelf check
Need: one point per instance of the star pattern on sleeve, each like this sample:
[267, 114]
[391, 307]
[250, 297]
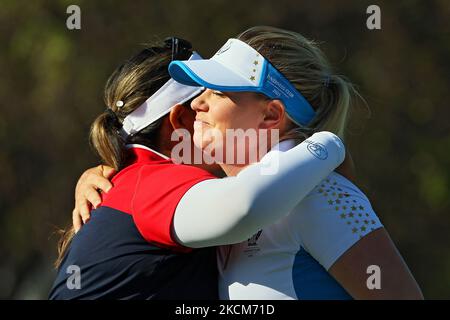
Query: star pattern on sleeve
[349, 210]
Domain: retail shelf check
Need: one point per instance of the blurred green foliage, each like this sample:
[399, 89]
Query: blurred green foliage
[51, 83]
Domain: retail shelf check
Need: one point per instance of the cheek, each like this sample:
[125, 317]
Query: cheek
[244, 120]
[230, 118]
[188, 121]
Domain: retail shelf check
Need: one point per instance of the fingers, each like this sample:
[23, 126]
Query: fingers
[91, 196]
[87, 193]
[85, 212]
[76, 220]
[82, 205]
[108, 172]
[96, 180]
[97, 177]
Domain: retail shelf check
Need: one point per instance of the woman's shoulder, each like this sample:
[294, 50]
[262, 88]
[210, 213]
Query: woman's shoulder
[336, 192]
[175, 171]
[337, 184]
[334, 216]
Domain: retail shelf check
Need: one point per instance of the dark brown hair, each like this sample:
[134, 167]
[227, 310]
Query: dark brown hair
[132, 83]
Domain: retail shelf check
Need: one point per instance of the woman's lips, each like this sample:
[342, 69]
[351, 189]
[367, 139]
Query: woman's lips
[199, 124]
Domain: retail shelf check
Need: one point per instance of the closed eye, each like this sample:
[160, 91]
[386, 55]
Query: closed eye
[218, 93]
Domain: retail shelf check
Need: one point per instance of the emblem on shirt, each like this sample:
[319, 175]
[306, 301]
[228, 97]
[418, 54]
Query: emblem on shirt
[252, 245]
[251, 242]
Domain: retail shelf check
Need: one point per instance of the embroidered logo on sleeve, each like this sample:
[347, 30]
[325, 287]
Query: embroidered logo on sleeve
[317, 149]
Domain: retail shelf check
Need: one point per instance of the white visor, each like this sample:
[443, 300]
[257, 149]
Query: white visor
[159, 104]
[239, 67]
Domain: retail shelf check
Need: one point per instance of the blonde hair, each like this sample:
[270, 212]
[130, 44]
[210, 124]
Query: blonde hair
[302, 62]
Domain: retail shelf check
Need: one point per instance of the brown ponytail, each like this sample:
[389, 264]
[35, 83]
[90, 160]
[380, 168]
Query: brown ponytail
[107, 141]
[66, 236]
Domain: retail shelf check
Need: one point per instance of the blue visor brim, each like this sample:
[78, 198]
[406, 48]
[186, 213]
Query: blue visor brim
[272, 84]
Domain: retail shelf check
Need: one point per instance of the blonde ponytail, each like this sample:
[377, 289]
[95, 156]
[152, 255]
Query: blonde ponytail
[302, 62]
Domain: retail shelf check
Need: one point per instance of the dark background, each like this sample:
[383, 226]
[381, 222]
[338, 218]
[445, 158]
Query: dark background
[51, 86]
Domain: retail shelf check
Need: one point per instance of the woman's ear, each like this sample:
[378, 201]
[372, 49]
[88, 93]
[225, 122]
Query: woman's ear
[181, 117]
[273, 115]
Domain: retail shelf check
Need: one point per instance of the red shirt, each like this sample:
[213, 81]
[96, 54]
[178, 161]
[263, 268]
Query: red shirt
[150, 189]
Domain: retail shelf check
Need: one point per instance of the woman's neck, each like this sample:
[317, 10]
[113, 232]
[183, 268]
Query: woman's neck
[233, 170]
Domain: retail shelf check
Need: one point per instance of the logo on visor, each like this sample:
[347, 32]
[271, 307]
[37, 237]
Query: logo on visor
[318, 150]
[274, 82]
[224, 48]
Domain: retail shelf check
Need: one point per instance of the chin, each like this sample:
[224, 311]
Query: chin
[198, 141]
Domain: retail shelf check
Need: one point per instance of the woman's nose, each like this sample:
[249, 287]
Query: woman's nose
[199, 103]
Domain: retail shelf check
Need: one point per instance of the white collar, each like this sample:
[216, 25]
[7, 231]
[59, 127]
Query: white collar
[140, 146]
[282, 146]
